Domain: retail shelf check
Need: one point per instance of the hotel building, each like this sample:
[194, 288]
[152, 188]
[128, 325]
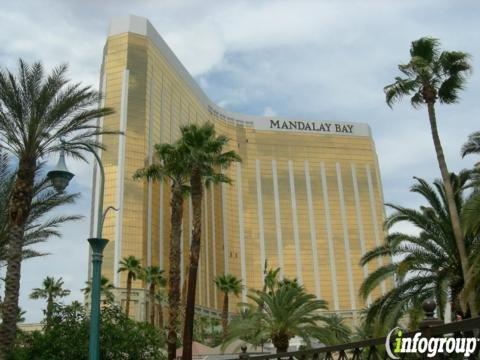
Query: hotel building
[307, 197]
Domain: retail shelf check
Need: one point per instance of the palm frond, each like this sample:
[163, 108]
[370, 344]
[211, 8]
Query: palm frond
[375, 253]
[39, 228]
[427, 48]
[375, 278]
[426, 264]
[469, 216]
[427, 191]
[450, 88]
[472, 146]
[400, 88]
[442, 74]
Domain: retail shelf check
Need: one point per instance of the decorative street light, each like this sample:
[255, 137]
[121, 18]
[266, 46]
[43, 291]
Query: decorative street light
[60, 177]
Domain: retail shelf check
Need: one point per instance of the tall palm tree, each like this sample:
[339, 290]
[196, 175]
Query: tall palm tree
[106, 289]
[51, 290]
[153, 276]
[228, 284]
[131, 265]
[287, 312]
[431, 76]
[205, 156]
[36, 111]
[425, 265]
[170, 165]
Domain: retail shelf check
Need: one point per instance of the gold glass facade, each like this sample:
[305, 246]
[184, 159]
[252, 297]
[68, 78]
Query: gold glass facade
[307, 196]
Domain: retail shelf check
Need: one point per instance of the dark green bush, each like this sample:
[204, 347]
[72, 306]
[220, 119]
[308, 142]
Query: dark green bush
[66, 337]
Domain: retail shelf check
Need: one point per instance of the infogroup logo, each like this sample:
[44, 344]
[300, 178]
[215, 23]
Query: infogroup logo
[430, 346]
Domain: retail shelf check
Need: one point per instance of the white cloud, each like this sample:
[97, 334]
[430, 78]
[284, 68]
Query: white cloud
[204, 41]
[269, 111]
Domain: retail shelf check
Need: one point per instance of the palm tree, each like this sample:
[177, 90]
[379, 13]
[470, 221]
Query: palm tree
[287, 312]
[36, 111]
[270, 279]
[106, 290]
[431, 75]
[51, 290]
[335, 331]
[205, 156]
[75, 308]
[38, 229]
[153, 276]
[170, 165]
[132, 266]
[469, 215]
[228, 284]
[472, 207]
[425, 265]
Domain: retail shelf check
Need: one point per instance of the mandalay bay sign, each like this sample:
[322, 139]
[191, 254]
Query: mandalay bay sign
[319, 127]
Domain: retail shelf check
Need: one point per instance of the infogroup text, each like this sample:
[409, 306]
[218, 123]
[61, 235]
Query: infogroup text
[430, 346]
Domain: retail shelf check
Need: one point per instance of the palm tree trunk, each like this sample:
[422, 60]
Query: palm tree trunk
[452, 206]
[184, 293]
[281, 342]
[225, 315]
[160, 315]
[152, 304]
[19, 210]
[174, 272]
[129, 293]
[196, 189]
[49, 309]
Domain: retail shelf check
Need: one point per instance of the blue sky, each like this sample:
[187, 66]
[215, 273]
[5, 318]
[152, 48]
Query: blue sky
[326, 60]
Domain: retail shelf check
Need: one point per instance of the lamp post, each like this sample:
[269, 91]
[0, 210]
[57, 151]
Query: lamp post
[60, 177]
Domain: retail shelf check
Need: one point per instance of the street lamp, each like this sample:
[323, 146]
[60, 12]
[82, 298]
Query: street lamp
[60, 177]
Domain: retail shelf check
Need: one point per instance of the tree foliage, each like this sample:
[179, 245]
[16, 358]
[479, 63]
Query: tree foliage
[37, 111]
[334, 330]
[39, 227]
[51, 290]
[426, 265]
[132, 266]
[67, 337]
[106, 289]
[154, 278]
[278, 316]
[430, 74]
[205, 157]
[170, 165]
[433, 75]
[228, 284]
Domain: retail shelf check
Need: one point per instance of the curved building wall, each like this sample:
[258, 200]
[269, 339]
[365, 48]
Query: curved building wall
[307, 196]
